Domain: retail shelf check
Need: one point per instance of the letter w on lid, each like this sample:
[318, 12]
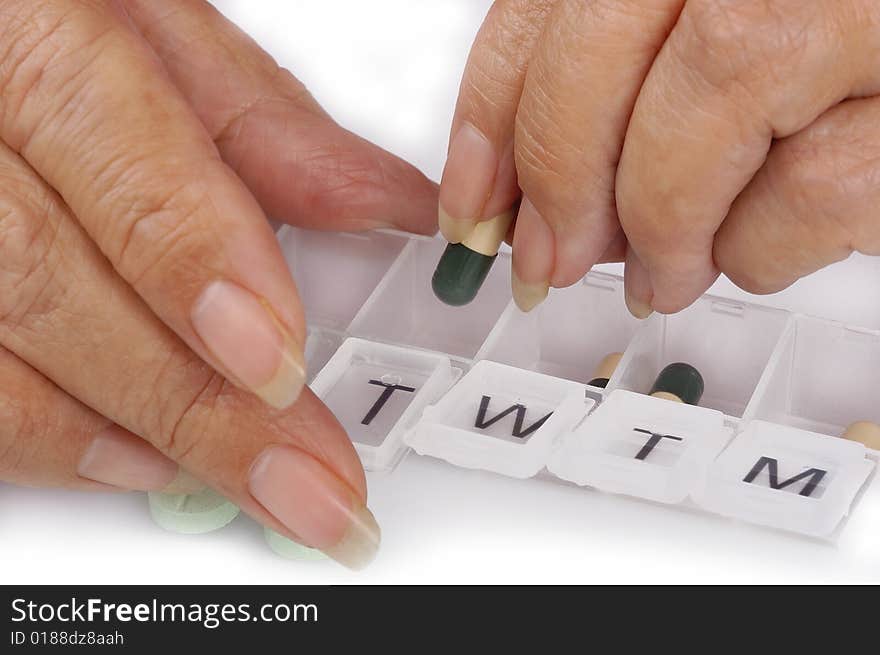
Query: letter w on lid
[518, 430]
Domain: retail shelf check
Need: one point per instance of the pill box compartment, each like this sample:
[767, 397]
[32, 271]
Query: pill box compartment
[569, 333]
[321, 345]
[758, 363]
[824, 378]
[378, 391]
[729, 343]
[336, 273]
[502, 419]
[403, 309]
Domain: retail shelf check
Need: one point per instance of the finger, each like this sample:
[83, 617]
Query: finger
[479, 179]
[732, 77]
[302, 167]
[86, 103]
[813, 202]
[65, 312]
[48, 439]
[580, 88]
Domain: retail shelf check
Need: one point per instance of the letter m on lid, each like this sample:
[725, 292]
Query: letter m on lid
[811, 478]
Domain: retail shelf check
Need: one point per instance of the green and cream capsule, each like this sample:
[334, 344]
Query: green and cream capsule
[464, 266]
[605, 369]
[680, 383]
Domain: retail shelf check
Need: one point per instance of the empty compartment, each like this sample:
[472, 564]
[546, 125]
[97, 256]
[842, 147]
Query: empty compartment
[826, 378]
[499, 418]
[642, 446]
[335, 272]
[786, 478]
[378, 391]
[406, 311]
[567, 335]
[728, 342]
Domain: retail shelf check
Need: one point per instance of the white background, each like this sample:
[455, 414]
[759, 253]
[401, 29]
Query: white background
[389, 70]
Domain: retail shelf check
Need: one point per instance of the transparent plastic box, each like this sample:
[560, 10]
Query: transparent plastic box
[778, 386]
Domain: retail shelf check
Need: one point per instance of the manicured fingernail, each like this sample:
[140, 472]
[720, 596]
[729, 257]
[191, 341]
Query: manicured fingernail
[244, 334]
[452, 229]
[315, 504]
[533, 257]
[121, 459]
[527, 296]
[638, 308]
[637, 287]
[467, 182]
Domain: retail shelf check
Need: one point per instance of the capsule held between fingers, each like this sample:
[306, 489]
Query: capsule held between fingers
[463, 267]
[865, 432]
[680, 383]
[605, 369]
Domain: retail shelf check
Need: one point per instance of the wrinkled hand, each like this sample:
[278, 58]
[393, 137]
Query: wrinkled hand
[140, 143]
[688, 137]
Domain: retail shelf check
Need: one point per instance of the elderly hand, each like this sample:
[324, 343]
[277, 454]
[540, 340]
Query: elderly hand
[140, 143]
[690, 137]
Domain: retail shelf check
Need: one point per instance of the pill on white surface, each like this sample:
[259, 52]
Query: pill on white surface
[289, 549]
[192, 513]
[680, 383]
[605, 370]
[864, 432]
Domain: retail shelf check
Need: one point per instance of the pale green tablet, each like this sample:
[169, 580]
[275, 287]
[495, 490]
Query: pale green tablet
[197, 513]
[290, 549]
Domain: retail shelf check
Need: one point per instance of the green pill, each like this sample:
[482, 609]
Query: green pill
[289, 549]
[197, 513]
[459, 274]
[679, 382]
[463, 267]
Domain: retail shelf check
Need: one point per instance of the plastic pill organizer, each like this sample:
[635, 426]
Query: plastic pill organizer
[488, 387]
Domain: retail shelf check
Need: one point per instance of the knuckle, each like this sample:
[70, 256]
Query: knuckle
[27, 242]
[338, 180]
[827, 184]
[493, 78]
[46, 52]
[183, 408]
[743, 43]
[162, 231]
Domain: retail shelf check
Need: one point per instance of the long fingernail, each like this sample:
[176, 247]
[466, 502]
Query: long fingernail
[637, 287]
[121, 459]
[533, 256]
[315, 504]
[467, 182]
[244, 334]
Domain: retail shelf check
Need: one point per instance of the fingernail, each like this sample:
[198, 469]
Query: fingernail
[638, 308]
[637, 287]
[315, 504]
[467, 182]
[246, 337]
[452, 229]
[533, 257]
[121, 459]
[527, 296]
